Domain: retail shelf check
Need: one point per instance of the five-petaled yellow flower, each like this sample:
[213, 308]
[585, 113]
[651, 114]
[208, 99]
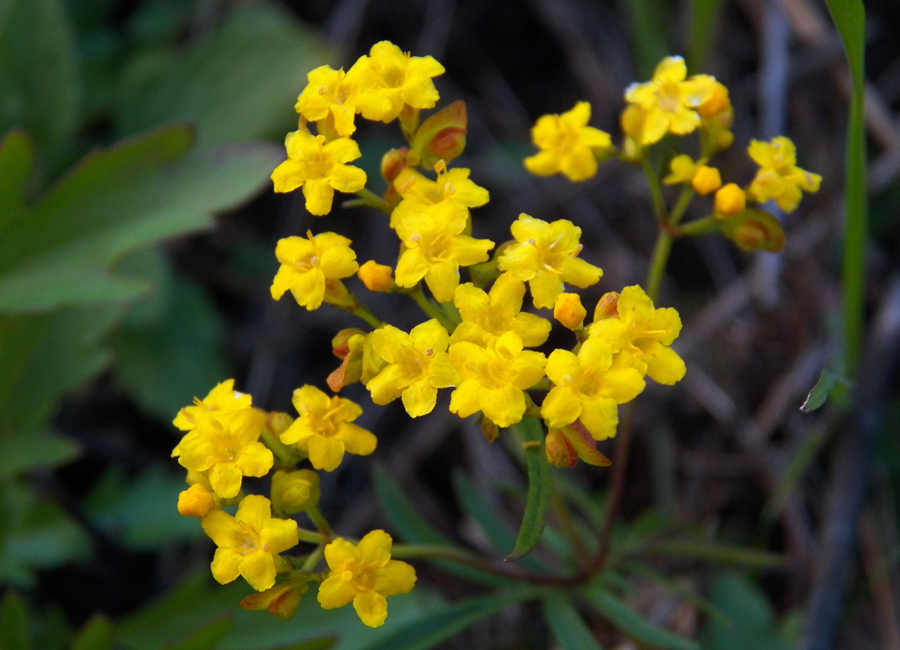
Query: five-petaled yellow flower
[221, 404]
[669, 102]
[588, 388]
[494, 378]
[318, 167]
[452, 189]
[229, 450]
[307, 263]
[249, 542]
[489, 315]
[545, 256]
[779, 177]
[391, 79]
[325, 428]
[435, 248]
[641, 336]
[417, 365]
[366, 575]
[568, 145]
[331, 92]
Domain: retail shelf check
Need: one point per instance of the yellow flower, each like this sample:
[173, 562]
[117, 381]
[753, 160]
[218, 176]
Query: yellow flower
[221, 403]
[196, 501]
[229, 451]
[730, 200]
[569, 311]
[706, 180]
[417, 365]
[669, 101]
[545, 256]
[487, 316]
[640, 335]
[376, 277]
[494, 378]
[588, 388]
[452, 189]
[249, 542]
[331, 92]
[683, 168]
[324, 428]
[307, 263]
[391, 79]
[435, 248]
[366, 575]
[779, 177]
[318, 167]
[567, 144]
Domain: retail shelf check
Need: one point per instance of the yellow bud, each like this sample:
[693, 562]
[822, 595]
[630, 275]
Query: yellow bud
[632, 121]
[559, 450]
[277, 423]
[717, 102]
[754, 230]
[607, 306]
[376, 277]
[724, 140]
[336, 294]
[196, 501]
[392, 163]
[730, 200]
[295, 491]
[282, 600]
[569, 311]
[706, 180]
[441, 137]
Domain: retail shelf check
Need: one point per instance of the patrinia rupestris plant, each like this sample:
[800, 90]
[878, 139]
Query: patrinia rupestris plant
[475, 340]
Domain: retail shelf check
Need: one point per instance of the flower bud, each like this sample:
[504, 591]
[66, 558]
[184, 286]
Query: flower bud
[282, 600]
[706, 180]
[294, 492]
[717, 103]
[392, 163]
[277, 422]
[376, 277]
[196, 501]
[607, 306]
[441, 137]
[337, 294]
[569, 311]
[683, 169]
[559, 450]
[754, 230]
[730, 200]
[350, 352]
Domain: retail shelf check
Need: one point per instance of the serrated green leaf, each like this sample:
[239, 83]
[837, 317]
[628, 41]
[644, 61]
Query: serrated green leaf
[97, 634]
[133, 194]
[412, 528]
[540, 487]
[566, 624]
[14, 631]
[241, 84]
[633, 624]
[23, 451]
[477, 508]
[36, 35]
[819, 393]
[442, 624]
[207, 637]
[16, 160]
[749, 621]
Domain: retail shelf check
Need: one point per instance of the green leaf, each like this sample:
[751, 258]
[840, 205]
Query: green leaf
[540, 487]
[472, 503]
[23, 451]
[633, 624]
[442, 624]
[648, 23]
[819, 393]
[849, 17]
[703, 16]
[207, 637]
[239, 85]
[39, 76]
[566, 624]
[171, 346]
[413, 529]
[722, 553]
[16, 159]
[14, 632]
[136, 193]
[97, 634]
[749, 624]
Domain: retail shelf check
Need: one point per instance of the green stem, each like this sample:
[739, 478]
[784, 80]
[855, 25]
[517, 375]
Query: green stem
[372, 200]
[430, 308]
[313, 559]
[283, 452]
[699, 228]
[658, 263]
[309, 536]
[315, 515]
[687, 193]
[659, 205]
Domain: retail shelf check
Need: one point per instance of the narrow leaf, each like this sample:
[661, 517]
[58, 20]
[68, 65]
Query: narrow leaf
[14, 632]
[633, 624]
[21, 452]
[207, 637]
[324, 643]
[723, 553]
[97, 634]
[566, 624]
[704, 15]
[819, 393]
[16, 158]
[540, 487]
[442, 624]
